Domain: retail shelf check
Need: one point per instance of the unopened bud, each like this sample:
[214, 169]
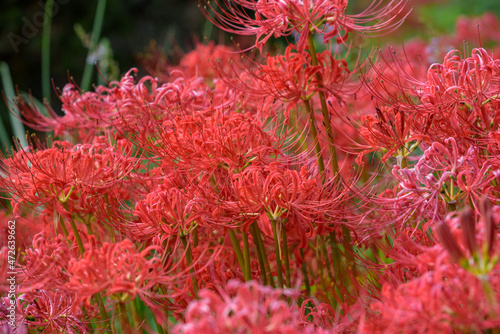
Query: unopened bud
[449, 242]
[486, 209]
[468, 224]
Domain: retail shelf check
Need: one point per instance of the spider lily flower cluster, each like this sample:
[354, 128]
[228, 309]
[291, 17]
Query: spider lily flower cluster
[280, 194]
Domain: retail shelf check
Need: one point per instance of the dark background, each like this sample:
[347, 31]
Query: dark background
[129, 25]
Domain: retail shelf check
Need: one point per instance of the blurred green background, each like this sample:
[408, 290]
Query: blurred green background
[129, 26]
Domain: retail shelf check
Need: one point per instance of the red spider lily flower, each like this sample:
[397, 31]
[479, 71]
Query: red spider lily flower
[203, 144]
[431, 185]
[430, 294]
[421, 188]
[432, 303]
[458, 99]
[167, 213]
[295, 198]
[243, 307]
[390, 133]
[222, 268]
[463, 244]
[466, 29]
[290, 78]
[6, 320]
[460, 80]
[212, 271]
[68, 177]
[282, 17]
[125, 107]
[116, 269]
[54, 311]
[46, 263]
[86, 114]
[123, 272]
[143, 109]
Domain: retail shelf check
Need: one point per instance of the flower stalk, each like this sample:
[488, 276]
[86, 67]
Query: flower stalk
[261, 255]
[324, 109]
[246, 255]
[189, 260]
[277, 251]
[237, 249]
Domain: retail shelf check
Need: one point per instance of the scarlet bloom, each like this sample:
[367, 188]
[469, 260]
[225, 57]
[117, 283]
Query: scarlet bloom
[446, 285]
[282, 17]
[204, 143]
[45, 263]
[54, 311]
[167, 213]
[67, 177]
[390, 132]
[293, 197]
[290, 78]
[116, 269]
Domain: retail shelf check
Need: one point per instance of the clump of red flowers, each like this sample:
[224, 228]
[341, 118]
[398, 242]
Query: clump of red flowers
[299, 192]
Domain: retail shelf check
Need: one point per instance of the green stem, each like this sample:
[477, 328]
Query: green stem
[246, 249]
[89, 229]
[404, 162]
[304, 273]
[325, 285]
[237, 249]
[135, 316]
[96, 32]
[195, 236]
[325, 256]
[286, 256]
[339, 273]
[102, 311]
[490, 296]
[254, 231]
[277, 251]
[112, 233]
[10, 97]
[317, 146]
[159, 328]
[4, 138]
[64, 228]
[110, 226]
[346, 233]
[77, 236]
[337, 260]
[324, 109]
[124, 319]
[189, 256]
[262, 250]
[214, 184]
[113, 327]
[47, 23]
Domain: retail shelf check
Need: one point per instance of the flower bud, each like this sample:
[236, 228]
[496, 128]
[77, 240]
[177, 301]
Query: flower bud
[449, 242]
[468, 224]
[486, 210]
